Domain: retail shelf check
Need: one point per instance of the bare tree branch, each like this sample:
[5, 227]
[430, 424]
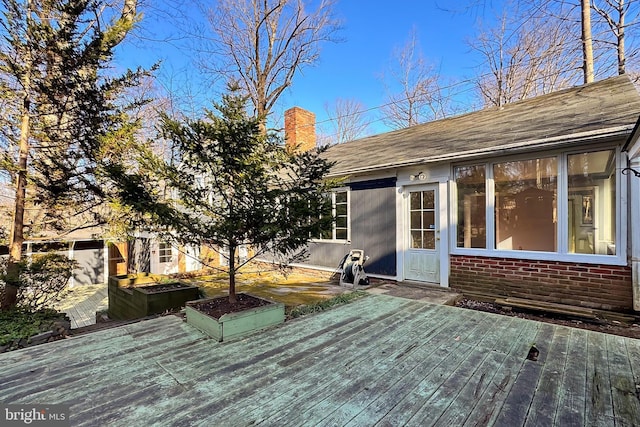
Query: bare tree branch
[413, 89]
[348, 121]
[263, 44]
[532, 59]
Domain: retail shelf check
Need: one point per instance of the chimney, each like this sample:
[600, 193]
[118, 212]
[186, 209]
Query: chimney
[299, 129]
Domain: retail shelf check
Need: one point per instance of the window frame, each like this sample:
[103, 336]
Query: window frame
[163, 247]
[562, 253]
[334, 227]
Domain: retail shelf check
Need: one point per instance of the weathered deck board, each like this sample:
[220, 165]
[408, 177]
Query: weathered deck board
[251, 368]
[626, 405]
[301, 373]
[306, 382]
[373, 383]
[485, 389]
[449, 390]
[599, 409]
[548, 393]
[515, 407]
[384, 403]
[572, 402]
[381, 360]
[425, 358]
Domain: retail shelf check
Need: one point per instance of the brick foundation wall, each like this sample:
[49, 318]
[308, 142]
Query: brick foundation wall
[603, 287]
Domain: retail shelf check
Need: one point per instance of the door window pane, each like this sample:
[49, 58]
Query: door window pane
[416, 220]
[471, 184]
[428, 220]
[525, 205]
[428, 199]
[416, 238]
[422, 217]
[416, 201]
[429, 240]
[592, 203]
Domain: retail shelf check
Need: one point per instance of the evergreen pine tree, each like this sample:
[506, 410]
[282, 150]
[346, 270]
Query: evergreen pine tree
[234, 186]
[63, 122]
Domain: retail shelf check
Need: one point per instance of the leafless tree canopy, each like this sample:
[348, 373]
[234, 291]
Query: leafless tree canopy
[526, 58]
[543, 45]
[413, 91]
[262, 44]
[614, 25]
[348, 121]
[616, 22]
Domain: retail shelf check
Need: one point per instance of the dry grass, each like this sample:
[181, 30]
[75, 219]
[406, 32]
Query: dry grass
[295, 289]
[292, 289]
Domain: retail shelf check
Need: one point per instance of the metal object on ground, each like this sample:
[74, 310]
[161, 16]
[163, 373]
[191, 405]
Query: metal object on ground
[352, 266]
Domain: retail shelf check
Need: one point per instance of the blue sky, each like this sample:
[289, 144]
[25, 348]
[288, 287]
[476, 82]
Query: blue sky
[349, 69]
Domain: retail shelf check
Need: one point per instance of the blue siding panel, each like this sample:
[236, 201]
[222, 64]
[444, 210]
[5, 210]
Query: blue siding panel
[373, 228]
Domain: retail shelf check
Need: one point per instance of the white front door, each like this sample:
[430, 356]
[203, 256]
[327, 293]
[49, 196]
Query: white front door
[164, 258]
[422, 255]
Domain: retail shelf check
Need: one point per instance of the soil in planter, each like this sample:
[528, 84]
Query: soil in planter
[220, 306]
[163, 287]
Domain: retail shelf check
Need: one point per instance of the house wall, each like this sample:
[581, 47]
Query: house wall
[633, 225]
[89, 255]
[373, 229]
[90, 258]
[604, 287]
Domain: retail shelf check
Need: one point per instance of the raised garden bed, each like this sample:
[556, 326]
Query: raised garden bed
[222, 321]
[137, 279]
[134, 302]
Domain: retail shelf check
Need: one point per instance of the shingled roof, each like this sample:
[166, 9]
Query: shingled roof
[597, 111]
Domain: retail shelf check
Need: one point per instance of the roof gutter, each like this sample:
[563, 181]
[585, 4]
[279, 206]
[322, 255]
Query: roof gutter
[632, 136]
[502, 149]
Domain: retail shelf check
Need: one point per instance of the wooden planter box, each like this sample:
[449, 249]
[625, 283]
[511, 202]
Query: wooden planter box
[126, 303]
[232, 325]
[126, 280]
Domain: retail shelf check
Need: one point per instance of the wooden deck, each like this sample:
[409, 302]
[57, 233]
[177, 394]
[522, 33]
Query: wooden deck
[381, 360]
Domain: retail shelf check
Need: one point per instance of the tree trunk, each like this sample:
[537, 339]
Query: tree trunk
[124, 24]
[233, 299]
[17, 228]
[621, 54]
[587, 43]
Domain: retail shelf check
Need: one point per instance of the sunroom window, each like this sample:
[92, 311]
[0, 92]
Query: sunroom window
[472, 210]
[592, 203]
[524, 210]
[525, 204]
